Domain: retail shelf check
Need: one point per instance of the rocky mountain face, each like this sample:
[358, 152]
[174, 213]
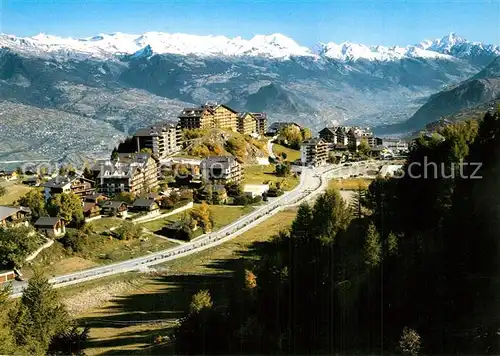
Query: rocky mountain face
[114, 84]
[474, 95]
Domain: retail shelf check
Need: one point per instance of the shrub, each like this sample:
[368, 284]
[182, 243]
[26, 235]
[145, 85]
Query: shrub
[409, 343]
[274, 192]
[128, 231]
[283, 170]
[74, 240]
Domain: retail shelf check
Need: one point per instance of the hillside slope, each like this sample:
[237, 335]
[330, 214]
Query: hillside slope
[480, 89]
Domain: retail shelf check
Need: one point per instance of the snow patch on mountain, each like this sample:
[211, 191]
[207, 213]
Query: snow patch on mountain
[275, 46]
[459, 47]
[348, 51]
[106, 45]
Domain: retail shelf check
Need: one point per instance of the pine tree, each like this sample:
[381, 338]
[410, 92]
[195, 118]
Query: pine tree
[114, 154]
[357, 202]
[41, 315]
[331, 215]
[372, 249]
[7, 345]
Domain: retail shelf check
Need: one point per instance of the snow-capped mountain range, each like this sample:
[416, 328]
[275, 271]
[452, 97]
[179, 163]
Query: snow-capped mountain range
[112, 84]
[275, 46]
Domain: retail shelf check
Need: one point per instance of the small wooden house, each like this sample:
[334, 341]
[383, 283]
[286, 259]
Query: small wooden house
[91, 209]
[50, 226]
[114, 208]
[7, 275]
[145, 205]
[13, 215]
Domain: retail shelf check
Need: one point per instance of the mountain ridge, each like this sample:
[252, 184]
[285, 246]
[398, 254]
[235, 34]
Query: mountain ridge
[275, 46]
[467, 96]
[124, 92]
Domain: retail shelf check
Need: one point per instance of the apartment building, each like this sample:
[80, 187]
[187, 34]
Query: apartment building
[314, 152]
[329, 134]
[349, 136]
[163, 138]
[132, 172]
[221, 170]
[247, 124]
[66, 184]
[260, 122]
[276, 127]
[210, 115]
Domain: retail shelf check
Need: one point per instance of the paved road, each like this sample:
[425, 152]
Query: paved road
[312, 182]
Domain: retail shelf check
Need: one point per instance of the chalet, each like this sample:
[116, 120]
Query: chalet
[95, 198]
[247, 124]
[131, 172]
[276, 127]
[7, 275]
[13, 215]
[114, 208]
[260, 122]
[65, 184]
[8, 175]
[91, 209]
[220, 170]
[314, 152]
[145, 205]
[50, 226]
[32, 181]
[153, 196]
[329, 134]
[210, 115]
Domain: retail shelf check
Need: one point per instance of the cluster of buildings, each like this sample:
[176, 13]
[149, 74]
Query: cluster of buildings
[344, 136]
[165, 138]
[213, 115]
[315, 151]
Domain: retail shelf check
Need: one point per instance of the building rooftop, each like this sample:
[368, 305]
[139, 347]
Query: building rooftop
[6, 211]
[156, 129]
[313, 141]
[143, 202]
[241, 115]
[115, 204]
[332, 130]
[57, 182]
[45, 221]
[224, 161]
[62, 181]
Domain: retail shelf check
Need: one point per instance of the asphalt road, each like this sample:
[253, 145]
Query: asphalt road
[313, 181]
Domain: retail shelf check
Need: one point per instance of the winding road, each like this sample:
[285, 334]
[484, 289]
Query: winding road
[313, 181]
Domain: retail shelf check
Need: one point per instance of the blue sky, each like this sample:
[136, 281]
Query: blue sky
[308, 22]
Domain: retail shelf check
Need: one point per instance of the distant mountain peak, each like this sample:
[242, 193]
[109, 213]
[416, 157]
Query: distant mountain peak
[272, 46]
[459, 47]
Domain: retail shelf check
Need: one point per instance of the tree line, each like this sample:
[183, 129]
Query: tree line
[411, 266]
[38, 323]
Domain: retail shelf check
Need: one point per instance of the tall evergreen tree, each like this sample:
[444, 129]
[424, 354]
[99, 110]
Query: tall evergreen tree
[41, 315]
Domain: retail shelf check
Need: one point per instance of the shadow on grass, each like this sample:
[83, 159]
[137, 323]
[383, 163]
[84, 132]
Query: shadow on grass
[163, 301]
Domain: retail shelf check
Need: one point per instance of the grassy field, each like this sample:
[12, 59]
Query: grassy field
[166, 296]
[104, 224]
[222, 214]
[100, 250]
[292, 155]
[13, 192]
[349, 184]
[258, 174]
